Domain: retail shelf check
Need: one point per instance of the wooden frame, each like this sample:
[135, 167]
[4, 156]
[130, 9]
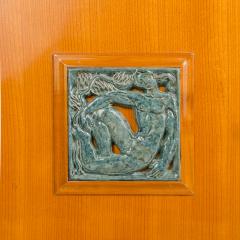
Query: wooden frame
[184, 186]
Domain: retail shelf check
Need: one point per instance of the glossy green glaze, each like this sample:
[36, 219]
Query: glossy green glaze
[152, 153]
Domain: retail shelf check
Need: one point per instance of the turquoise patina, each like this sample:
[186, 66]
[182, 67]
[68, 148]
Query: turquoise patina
[151, 153]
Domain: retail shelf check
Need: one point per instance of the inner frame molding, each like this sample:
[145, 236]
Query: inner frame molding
[89, 124]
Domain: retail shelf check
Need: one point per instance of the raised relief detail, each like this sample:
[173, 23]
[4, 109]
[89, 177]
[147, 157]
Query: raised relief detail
[97, 126]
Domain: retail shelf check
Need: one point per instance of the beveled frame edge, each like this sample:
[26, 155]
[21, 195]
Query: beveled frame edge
[62, 185]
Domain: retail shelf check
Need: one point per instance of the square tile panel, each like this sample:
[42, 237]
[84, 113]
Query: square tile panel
[123, 123]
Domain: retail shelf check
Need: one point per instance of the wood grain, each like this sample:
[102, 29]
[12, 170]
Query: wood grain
[31, 31]
[182, 61]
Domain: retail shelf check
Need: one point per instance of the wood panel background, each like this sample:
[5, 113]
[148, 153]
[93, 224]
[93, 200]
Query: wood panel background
[31, 31]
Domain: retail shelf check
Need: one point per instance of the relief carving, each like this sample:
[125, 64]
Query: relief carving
[95, 124]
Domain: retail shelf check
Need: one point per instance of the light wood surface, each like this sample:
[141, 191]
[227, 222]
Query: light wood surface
[31, 31]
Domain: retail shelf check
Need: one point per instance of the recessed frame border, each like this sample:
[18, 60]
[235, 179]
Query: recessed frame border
[62, 185]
